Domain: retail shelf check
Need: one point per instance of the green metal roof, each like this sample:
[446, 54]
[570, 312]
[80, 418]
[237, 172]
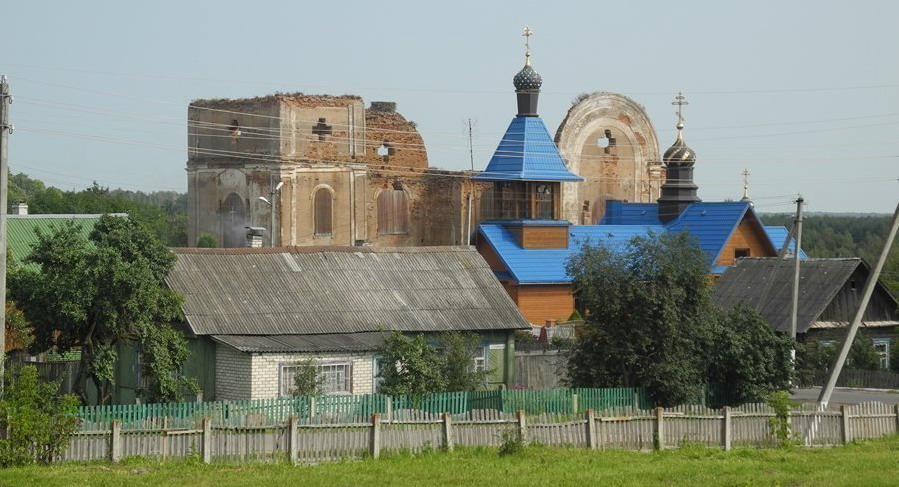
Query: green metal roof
[21, 230]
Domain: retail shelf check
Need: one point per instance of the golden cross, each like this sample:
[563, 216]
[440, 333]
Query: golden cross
[527, 38]
[680, 100]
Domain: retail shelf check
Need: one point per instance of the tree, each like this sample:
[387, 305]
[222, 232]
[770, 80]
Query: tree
[93, 292]
[748, 356]
[410, 367]
[458, 367]
[650, 322]
[36, 420]
[307, 379]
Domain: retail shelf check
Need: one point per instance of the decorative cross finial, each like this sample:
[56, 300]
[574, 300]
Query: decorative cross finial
[680, 100]
[527, 44]
[745, 174]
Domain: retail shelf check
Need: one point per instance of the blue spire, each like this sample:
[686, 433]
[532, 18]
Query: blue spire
[527, 153]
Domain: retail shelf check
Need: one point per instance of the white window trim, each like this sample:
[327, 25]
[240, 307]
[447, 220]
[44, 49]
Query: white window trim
[282, 372]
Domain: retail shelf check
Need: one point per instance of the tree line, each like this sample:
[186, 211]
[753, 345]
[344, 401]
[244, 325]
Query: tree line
[829, 235]
[163, 212]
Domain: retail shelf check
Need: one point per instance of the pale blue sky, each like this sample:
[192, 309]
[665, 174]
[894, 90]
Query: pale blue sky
[804, 94]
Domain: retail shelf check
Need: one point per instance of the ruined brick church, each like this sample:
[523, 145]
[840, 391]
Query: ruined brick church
[327, 170]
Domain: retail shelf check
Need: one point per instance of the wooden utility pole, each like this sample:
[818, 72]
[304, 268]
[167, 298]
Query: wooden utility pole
[794, 315]
[5, 130]
[837, 366]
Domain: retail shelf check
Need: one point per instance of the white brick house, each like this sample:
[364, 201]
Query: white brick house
[254, 315]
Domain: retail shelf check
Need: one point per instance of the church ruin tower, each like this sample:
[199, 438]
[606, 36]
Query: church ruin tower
[526, 169]
[679, 190]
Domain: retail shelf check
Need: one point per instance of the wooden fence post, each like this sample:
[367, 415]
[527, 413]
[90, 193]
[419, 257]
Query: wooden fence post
[311, 408]
[293, 440]
[522, 427]
[207, 440]
[574, 404]
[591, 429]
[659, 440]
[727, 428]
[897, 418]
[844, 431]
[115, 441]
[164, 437]
[375, 445]
[390, 409]
[448, 441]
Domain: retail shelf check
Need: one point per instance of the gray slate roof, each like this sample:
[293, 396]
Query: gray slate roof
[338, 290]
[819, 282]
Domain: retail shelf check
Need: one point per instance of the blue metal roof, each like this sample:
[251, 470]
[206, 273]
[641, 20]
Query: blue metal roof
[623, 213]
[711, 223]
[527, 153]
[778, 234]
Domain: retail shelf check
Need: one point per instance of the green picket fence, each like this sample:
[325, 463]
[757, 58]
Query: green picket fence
[358, 409]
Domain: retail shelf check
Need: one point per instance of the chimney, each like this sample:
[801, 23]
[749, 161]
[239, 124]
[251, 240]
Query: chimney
[254, 237]
[19, 208]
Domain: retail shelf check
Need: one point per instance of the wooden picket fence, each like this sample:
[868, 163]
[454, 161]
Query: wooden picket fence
[412, 430]
[359, 408]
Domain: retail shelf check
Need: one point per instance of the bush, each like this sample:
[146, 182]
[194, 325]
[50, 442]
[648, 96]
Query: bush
[308, 380]
[37, 421]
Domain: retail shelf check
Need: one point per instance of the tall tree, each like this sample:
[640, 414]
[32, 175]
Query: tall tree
[90, 293]
[650, 322]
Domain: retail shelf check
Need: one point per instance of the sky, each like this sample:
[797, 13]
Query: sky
[803, 94]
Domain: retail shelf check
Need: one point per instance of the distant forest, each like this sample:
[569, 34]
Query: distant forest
[164, 212]
[832, 235]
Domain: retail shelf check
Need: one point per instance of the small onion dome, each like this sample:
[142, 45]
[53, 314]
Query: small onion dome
[679, 154]
[527, 78]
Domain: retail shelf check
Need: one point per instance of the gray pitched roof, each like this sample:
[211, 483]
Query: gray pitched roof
[339, 290]
[819, 282]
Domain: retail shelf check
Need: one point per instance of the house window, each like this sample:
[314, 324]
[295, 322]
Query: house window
[479, 361]
[393, 212]
[882, 347]
[336, 378]
[543, 201]
[738, 253]
[322, 212]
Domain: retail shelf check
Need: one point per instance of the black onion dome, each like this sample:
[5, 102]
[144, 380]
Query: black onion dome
[527, 79]
[679, 154]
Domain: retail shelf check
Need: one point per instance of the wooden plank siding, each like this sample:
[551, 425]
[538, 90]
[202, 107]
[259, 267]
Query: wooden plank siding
[538, 237]
[541, 302]
[748, 235]
[843, 306]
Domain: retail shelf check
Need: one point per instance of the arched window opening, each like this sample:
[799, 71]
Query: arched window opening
[322, 205]
[393, 212]
[234, 221]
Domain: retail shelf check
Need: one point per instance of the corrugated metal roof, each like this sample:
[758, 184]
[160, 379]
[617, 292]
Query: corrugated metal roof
[303, 290]
[711, 223]
[623, 213]
[527, 153]
[820, 280]
[333, 342]
[22, 229]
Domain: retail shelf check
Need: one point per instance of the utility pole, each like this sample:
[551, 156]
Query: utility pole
[471, 184]
[5, 129]
[795, 312]
[837, 366]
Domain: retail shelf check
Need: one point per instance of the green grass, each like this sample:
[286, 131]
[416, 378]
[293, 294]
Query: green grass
[870, 464]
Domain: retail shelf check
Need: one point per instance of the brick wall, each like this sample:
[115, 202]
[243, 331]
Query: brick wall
[233, 374]
[266, 373]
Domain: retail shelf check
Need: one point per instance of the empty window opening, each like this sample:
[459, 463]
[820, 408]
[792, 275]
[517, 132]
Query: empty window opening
[322, 204]
[740, 253]
[393, 212]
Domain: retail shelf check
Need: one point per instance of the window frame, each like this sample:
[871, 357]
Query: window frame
[285, 378]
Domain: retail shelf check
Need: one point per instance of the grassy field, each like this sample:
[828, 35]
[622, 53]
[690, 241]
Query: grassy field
[870, 464]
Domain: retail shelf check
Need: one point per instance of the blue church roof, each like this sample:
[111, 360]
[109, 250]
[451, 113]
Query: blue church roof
[527, 153]
[711, 223]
